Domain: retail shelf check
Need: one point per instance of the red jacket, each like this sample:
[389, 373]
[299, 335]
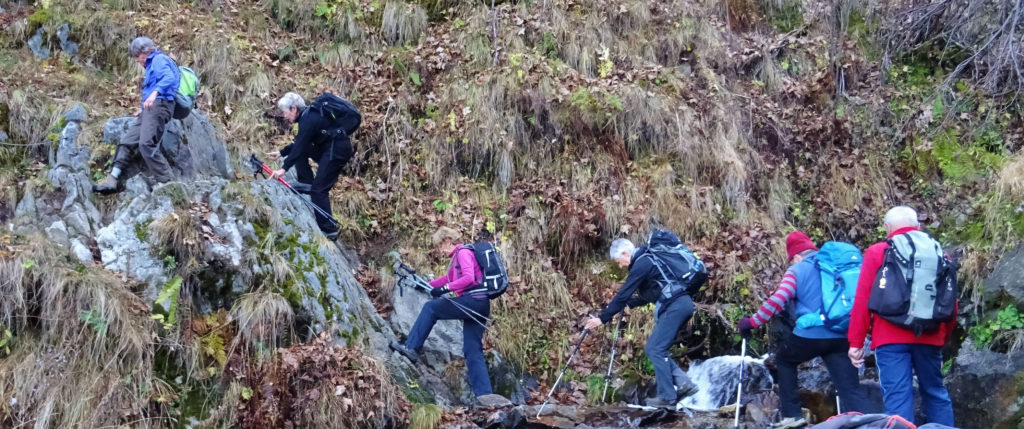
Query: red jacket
[883, 332]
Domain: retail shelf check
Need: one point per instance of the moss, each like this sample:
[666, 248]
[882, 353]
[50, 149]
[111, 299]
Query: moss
[785, 16]
[39, 18]
[142, 230]
[176, 192]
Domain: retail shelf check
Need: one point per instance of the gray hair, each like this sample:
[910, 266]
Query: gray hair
[142, 45]
[619, 246]
[901, 217]
[289, 100]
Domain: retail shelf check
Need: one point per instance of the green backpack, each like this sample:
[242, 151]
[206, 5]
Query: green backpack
[188, 90]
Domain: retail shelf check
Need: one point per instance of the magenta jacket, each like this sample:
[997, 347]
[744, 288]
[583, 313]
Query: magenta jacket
[463, 272]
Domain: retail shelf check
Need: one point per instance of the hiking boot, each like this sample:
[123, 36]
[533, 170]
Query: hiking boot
[109, 185]
[333, 236]
[686, 390]
[404, 351]
[790, 422]
[660, 403]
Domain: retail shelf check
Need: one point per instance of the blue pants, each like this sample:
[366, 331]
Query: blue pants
[897, 365]
[797, 350]
[472, 334]
[667, 321]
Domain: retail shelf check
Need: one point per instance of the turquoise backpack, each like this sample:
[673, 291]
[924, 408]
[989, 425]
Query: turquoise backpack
[839, 264]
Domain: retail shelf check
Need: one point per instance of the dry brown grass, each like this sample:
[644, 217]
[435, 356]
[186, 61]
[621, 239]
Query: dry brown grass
[265, 322]
[83, 352]
[403, 23]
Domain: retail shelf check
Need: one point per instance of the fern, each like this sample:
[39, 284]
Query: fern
[168, 294]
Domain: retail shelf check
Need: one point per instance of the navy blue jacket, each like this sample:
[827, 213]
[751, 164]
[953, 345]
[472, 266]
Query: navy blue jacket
[642, 279]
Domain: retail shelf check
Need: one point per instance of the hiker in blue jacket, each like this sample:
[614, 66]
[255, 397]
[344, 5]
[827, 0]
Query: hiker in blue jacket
[800, 291]
[159, 85]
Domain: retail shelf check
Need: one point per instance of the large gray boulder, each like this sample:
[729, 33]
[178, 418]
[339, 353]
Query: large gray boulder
[190, 145]
[987, 388]
[445, 341]
[1008, 277]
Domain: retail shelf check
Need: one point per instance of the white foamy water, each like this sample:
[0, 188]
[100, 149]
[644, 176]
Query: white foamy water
[717, 378]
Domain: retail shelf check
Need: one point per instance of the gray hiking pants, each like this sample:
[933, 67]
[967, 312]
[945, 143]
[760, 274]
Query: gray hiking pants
[143, 138]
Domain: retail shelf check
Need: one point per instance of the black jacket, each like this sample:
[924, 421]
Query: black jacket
[316, 135]
[642, 279]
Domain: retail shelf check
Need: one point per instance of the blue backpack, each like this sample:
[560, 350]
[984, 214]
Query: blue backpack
[839, 264]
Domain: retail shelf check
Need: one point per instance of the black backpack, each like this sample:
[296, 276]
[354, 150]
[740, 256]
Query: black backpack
[915, 287]
[495, 281]
[338, 110]
[682, 271]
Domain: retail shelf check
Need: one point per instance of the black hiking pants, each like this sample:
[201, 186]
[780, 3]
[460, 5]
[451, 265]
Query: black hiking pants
[796, 350]
[329, 165]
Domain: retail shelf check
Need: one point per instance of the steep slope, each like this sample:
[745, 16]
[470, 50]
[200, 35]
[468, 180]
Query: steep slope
[562, 124]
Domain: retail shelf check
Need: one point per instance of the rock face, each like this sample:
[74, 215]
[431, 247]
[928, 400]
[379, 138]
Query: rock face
[987, 388]
[1007, 277]
[190, 145]
[445, 341]
[67, 213]
[233, 237]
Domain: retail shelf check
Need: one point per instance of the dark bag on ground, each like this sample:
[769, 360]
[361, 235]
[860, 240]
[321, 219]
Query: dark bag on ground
[342, 113]
[915, 287]
[682, 272]
[495, 280]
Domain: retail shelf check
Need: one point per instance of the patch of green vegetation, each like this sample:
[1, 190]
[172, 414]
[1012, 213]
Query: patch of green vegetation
[142, 230]
[1007, 319]
[785, 16]
[959, 163]
[595, 107]
[176, 192]
[425, 416]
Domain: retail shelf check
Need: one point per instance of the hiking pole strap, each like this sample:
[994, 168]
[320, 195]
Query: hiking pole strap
[562, 373]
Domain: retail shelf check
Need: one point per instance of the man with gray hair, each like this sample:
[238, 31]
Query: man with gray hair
[324, 130]
[159, 85]
[901, 353]
[649, 280]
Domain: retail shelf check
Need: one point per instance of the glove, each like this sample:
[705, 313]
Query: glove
[745, 326]
[438, 291]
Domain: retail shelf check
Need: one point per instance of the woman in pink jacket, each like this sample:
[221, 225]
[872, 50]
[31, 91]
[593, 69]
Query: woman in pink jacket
[458, 284]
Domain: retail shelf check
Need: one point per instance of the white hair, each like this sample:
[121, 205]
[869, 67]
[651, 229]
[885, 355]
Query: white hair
[619, 246]
[289, 100]
[901, 217]
[141, 45]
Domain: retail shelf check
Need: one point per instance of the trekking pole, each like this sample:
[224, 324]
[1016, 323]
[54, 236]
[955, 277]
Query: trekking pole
[419, 283]
[261, 167]
[560, 374]
[739, 386]
[611, 361]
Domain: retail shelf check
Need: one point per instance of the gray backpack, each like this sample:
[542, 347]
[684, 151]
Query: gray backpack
[916, 285]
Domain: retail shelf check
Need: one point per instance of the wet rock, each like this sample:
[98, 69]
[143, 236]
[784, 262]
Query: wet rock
[70, 48]
[1007, 278]
[493, 401]
[38, 45]
[507, 380]
[987, 388]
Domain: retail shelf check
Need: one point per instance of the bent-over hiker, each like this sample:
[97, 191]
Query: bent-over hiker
[654, 281]
[324, 130]
[159, 85]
